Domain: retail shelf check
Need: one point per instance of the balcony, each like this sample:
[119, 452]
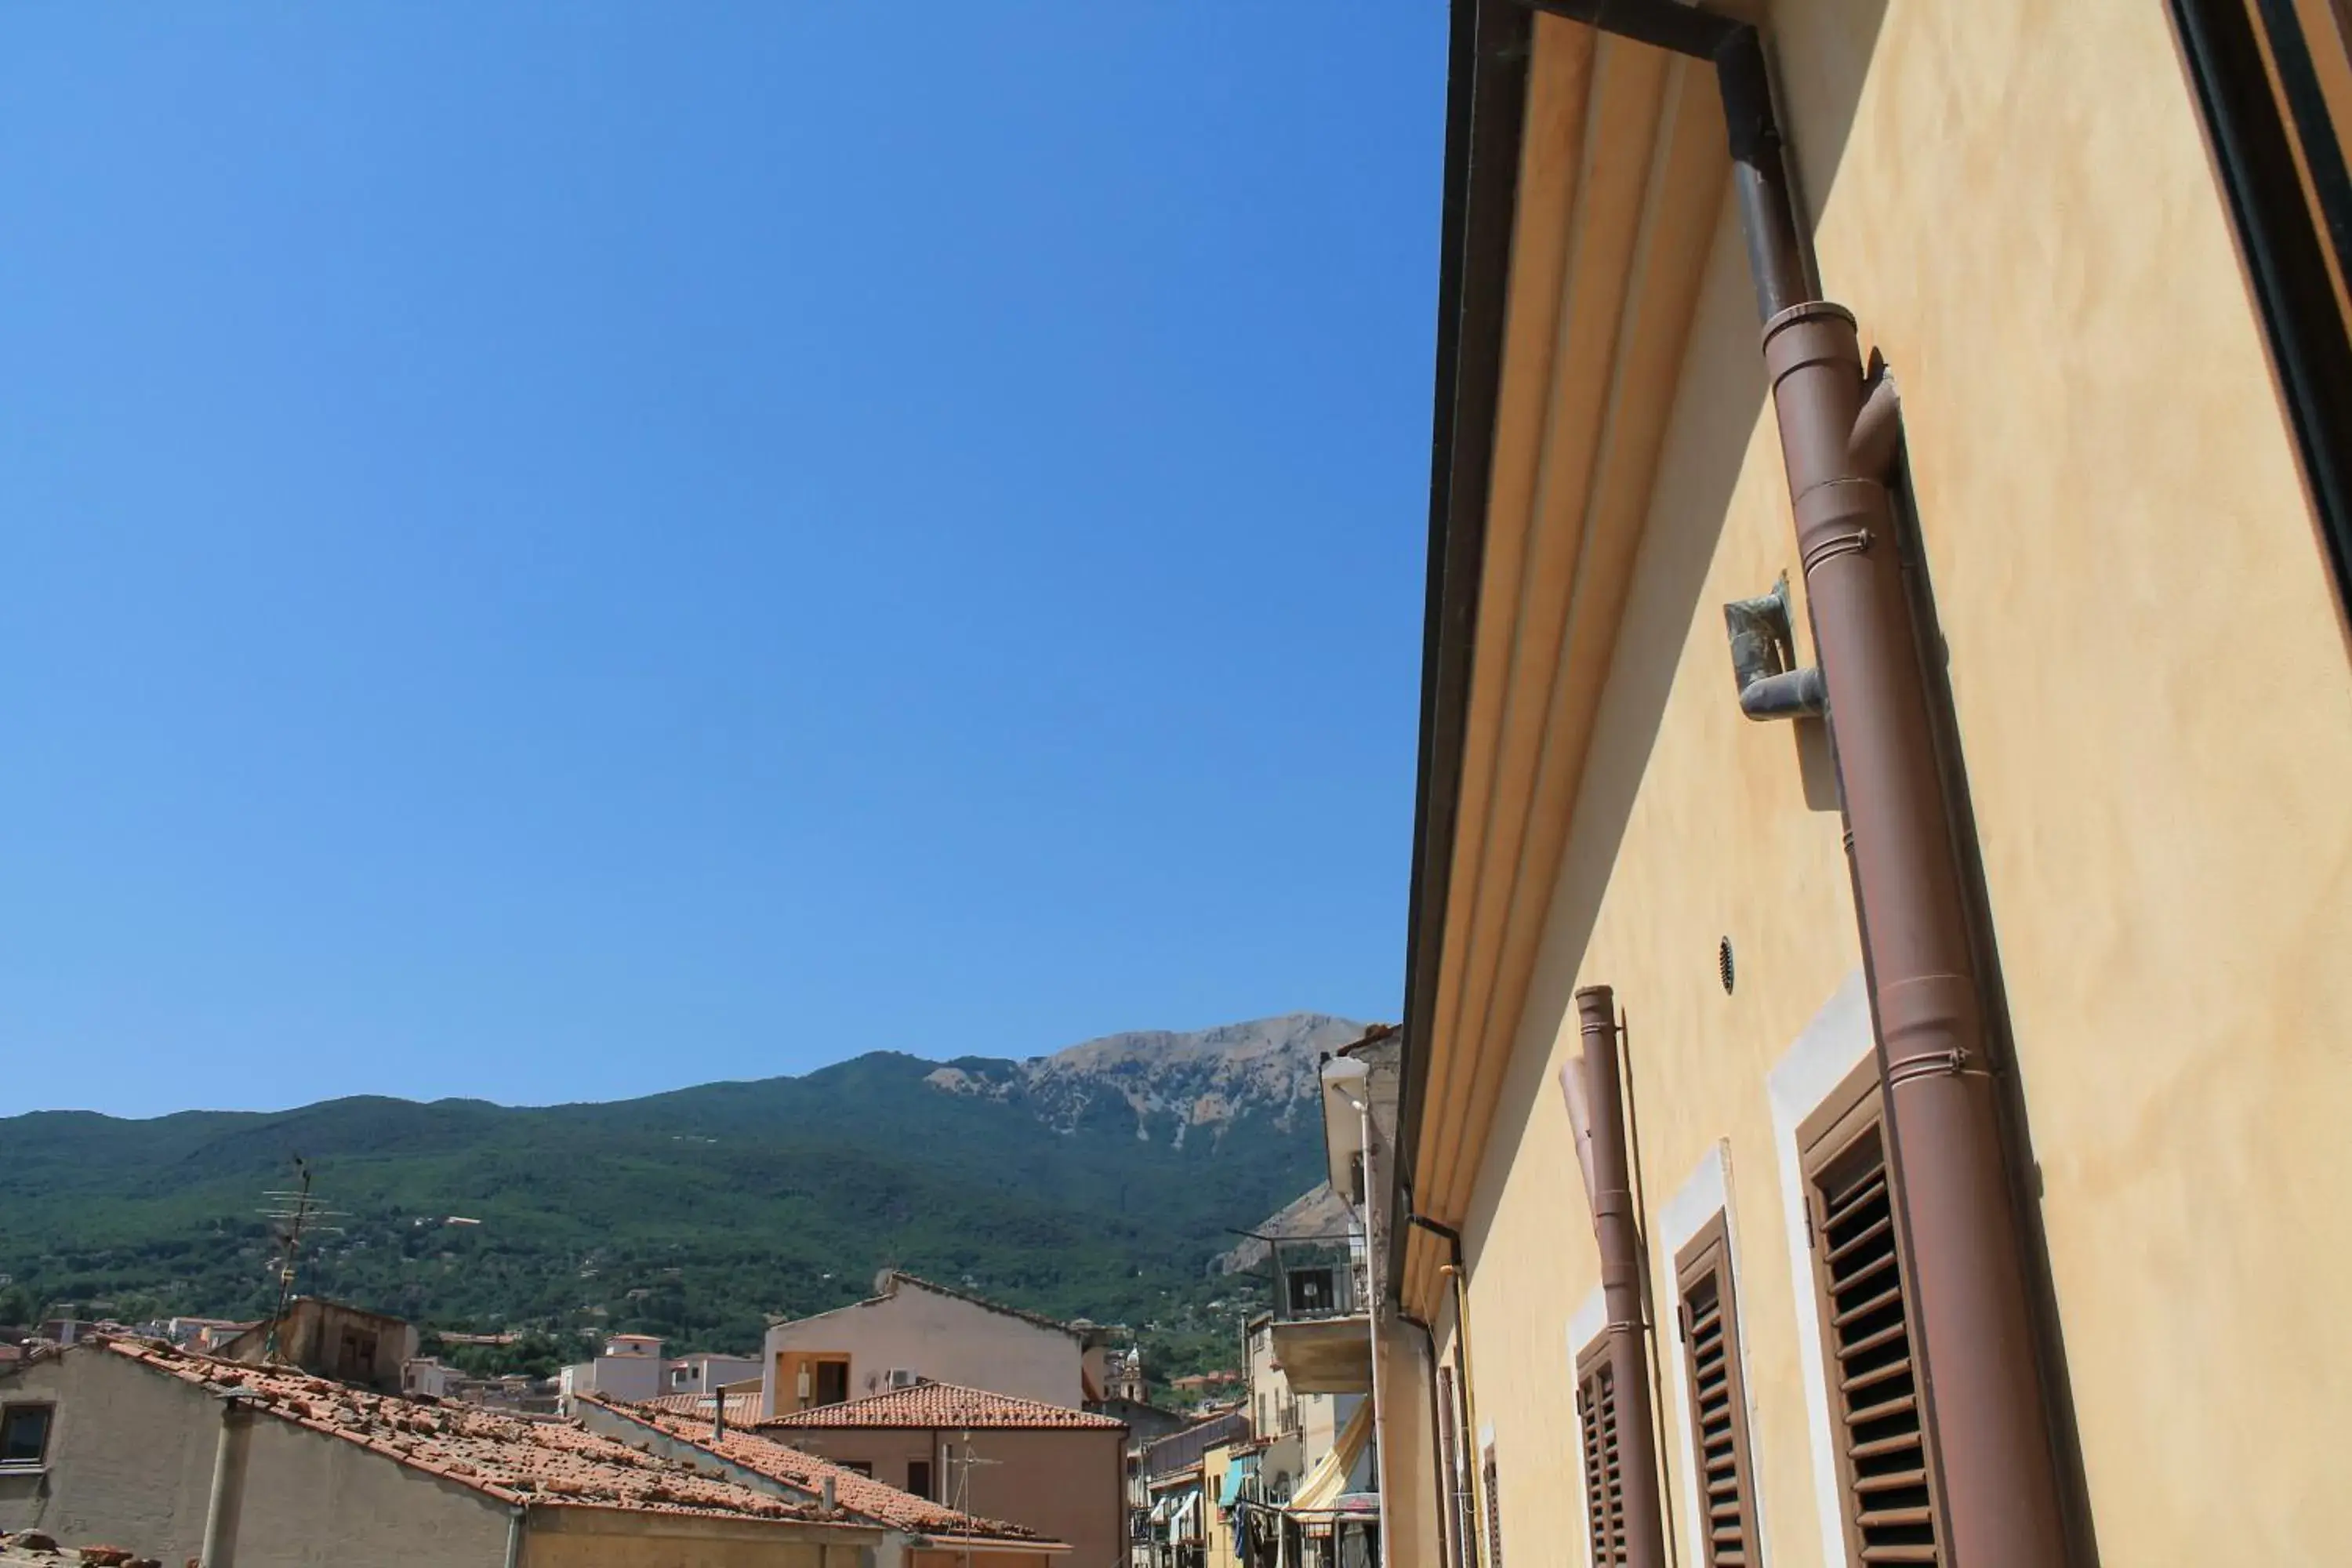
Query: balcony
[1322, 1329]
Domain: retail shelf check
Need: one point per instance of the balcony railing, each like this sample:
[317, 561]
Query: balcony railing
[1183, 1450]
[1318, 1277]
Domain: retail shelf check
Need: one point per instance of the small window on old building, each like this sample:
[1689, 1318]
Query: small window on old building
[918, 1477]
[861, 1467]
[1861, 1280]
[1716, 1390]
[25, 1434]
[1604, 1475]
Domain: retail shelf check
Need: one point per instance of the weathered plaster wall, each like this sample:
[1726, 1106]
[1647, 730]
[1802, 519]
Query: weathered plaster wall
[2152, 692]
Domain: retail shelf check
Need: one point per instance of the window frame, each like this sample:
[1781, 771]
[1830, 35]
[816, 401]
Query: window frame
[47, 1411]
[1706, 1260]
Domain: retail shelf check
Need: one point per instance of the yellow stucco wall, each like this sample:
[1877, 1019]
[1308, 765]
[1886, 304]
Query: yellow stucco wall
[2152, 689]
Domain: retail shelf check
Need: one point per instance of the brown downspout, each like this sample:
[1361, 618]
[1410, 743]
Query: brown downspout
[1984, 1408]
[1984, 1399]
[1617, 1232]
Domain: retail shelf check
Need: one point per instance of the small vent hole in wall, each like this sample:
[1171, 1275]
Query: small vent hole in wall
[1723, 970]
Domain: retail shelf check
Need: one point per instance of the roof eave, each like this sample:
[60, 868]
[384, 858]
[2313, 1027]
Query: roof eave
[1485, 104]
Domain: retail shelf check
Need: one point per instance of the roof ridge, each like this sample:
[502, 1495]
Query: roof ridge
[931, 1403]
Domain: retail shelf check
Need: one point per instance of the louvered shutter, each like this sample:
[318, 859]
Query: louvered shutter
[1604, 1475]
[1889, 1500]
[1494, 1511]
[1718, 1397]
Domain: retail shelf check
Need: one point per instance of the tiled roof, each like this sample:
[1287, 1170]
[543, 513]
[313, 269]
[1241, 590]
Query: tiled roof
[742, 1409]
[942, 1405]
[544, 1463]
[862, 1495]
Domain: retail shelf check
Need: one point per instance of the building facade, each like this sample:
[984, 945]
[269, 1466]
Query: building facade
[911, 1330]
[1883, 842]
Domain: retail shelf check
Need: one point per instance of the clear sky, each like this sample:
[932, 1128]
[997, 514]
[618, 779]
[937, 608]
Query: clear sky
[558, 551]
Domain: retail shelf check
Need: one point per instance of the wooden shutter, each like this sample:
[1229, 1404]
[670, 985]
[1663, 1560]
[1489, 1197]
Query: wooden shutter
[1604, 1475]
[1717, 1396]
[1859, 1272]
[1493, 1511]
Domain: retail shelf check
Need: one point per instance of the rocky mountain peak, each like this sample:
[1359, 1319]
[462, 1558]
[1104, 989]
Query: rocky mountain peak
[1174, 1085]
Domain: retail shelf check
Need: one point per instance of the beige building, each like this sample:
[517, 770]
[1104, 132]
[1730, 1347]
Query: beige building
[181, 1457]
[1059, 1471]
[1874, 1088]
[911, 1330]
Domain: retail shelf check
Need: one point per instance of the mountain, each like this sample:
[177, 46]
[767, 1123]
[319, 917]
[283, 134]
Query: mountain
[1099, 1180]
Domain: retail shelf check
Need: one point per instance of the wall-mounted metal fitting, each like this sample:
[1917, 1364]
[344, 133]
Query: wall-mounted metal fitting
[1764, 656]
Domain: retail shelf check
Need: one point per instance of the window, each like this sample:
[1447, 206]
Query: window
[1449, 1472]
[25, 1434]
[1493, 1512]
[358, 1351]
[860, 1466]
[1885, 1484]
[918, 1478]
[832, 1382]
[1718, 1394]
[1605, 1484]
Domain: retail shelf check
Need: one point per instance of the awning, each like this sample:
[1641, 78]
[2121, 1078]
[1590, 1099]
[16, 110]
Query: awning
[1163, 1507]
[1242, 1467]
[1321, 1487]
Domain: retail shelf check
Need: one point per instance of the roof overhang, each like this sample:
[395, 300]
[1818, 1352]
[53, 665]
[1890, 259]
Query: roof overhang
[1584, 178]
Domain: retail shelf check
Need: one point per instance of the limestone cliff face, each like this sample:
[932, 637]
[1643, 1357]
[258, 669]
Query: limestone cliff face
[1169, 1086]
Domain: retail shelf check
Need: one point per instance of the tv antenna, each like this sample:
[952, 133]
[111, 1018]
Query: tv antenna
[960, 1481]
[293, 1214]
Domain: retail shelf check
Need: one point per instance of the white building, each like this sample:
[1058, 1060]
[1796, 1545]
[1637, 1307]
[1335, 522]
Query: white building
[912, 1328]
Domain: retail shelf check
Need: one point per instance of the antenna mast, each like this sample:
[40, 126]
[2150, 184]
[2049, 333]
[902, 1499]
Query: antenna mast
[291, 1214]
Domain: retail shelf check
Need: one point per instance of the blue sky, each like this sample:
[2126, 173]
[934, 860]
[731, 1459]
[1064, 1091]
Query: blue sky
[554, 552]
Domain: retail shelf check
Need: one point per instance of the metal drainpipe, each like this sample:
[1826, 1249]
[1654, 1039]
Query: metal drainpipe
[1372, 1317]
[1457, 1273]
[1984, 1410]
[226, 1500]
[515, 1527]
[1617, 1231]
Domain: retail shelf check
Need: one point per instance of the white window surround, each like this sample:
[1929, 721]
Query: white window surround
[1705, 1195]
[1582, 1330]
[1821, 1056]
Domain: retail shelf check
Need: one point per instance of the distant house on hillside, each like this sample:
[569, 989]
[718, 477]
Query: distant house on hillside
[151, 1449]
[629, 1369]
[910, 1330]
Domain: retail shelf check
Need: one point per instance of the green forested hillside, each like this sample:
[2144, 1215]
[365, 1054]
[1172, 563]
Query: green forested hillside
[694, 1215]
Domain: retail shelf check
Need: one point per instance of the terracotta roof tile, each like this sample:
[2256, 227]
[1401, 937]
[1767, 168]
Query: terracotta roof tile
[507, 1456]
[942, 1405]
[876, 1501]
[742, 1409]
